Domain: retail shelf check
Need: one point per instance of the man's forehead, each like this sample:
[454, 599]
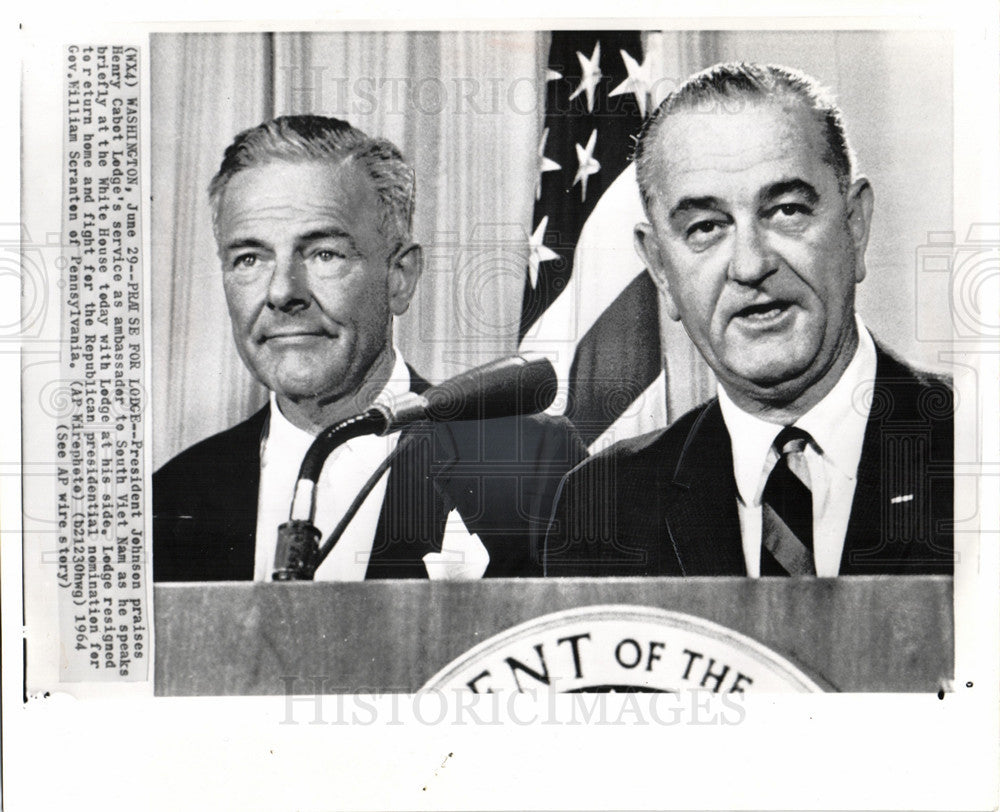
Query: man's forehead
[739, 141]
[287, 203]
[296, 186]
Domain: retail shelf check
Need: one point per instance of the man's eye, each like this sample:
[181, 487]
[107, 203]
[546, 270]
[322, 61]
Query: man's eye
[790, 210]
[703, 232]
[706, 227]
[245, 261]
[328, 255]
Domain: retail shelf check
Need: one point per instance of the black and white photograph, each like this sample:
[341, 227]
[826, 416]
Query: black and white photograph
[605, 384]
[576, 197]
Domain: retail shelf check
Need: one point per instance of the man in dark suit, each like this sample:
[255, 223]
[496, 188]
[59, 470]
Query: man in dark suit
[313, 223]
[822, 454]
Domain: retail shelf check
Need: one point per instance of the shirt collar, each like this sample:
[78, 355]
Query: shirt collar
[836, 424]
[282, 433]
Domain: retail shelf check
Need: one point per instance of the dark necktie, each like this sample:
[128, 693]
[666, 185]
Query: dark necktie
[786, 510]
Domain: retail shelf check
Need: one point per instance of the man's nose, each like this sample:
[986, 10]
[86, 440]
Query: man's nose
[288, 289]
[752, 260]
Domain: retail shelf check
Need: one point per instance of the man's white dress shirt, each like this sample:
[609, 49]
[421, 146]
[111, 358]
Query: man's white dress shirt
[837, 427]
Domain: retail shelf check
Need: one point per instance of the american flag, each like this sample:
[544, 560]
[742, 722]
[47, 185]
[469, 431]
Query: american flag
[588, 302]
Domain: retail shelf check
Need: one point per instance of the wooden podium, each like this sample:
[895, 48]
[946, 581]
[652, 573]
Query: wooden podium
[855, 634]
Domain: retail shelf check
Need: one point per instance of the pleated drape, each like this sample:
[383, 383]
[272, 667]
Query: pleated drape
[205, 89]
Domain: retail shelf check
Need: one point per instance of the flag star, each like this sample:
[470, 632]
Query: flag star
[590, 76]
[638, 81]
[544, 164]
[539, 252]
[552, 75]
[588, 165]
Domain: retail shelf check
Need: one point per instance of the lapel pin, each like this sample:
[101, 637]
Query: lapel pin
[897, 500]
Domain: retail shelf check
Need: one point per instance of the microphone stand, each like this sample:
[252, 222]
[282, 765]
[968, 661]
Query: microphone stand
[366, 489]
[298, 538]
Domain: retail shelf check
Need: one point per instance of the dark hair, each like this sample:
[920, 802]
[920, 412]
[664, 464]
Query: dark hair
[311, 138]
[748, 81]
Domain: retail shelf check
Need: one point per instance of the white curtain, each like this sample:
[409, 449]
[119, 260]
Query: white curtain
[205, 89]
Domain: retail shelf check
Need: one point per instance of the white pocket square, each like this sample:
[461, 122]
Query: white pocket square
[463, 556]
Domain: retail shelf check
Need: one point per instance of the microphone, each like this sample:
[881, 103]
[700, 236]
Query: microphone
[520, 384]
[517, 385]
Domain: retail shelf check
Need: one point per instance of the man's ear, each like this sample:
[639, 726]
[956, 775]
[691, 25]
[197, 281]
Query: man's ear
[647, 246]
[405, 268]
[860, 205]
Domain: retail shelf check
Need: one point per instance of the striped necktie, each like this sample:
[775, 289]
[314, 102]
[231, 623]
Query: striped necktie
[786, 510]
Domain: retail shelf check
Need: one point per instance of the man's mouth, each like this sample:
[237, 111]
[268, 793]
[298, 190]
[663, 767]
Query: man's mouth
[763, 312]
[298, 335]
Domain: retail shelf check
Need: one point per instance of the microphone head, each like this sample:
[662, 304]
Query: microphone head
[519, 384]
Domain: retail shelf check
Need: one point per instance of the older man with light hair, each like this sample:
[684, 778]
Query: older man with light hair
[313, 221]
[823, 453]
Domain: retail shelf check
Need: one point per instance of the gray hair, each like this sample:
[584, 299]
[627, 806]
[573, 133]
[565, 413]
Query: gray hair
[746, 81]
[318, 138]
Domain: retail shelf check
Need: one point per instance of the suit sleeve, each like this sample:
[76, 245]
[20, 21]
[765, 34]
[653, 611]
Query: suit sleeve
[570, 542]
[560, 450]
[590, 525]
[504, 484]
[606, 519]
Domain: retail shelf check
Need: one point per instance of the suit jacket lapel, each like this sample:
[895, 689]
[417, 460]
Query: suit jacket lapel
[865, 522]
[237, 488]
[414, 511]
[699, 499]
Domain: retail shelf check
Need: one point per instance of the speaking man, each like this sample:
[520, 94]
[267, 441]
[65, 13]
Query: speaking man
[313, 224]
[823, 454]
